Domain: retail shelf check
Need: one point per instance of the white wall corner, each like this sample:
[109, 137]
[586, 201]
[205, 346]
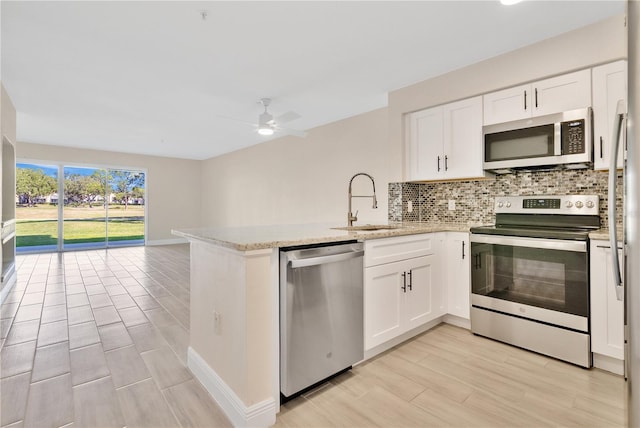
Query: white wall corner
[258, 415]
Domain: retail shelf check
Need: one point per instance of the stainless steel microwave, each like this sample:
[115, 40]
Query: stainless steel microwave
[561, 139]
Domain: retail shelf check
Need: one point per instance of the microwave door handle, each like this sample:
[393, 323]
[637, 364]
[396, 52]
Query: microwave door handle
[557, 139]
[618, 129]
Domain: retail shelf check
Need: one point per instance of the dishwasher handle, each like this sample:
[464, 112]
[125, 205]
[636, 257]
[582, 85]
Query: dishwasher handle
[322, 260]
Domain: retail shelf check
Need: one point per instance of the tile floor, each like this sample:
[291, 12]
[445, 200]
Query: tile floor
[99, 339]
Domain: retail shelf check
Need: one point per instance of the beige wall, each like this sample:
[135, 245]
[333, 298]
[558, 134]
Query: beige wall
[599, 43]
[301, 180]
[173, 185]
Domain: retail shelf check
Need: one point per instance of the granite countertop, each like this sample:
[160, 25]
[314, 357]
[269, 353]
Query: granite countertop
[264, 237]
[603, 234]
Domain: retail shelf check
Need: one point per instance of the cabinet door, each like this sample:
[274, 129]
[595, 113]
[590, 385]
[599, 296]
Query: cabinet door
[463, 139]
[423, 299]
[562, 93]
[383, 298]
[424, 144]
[607, 312]
[507, 105]
[458, 276]
[609, 84]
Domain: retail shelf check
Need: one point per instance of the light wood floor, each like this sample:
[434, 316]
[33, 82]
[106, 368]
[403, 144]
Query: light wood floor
[449, 377]
[99, 338]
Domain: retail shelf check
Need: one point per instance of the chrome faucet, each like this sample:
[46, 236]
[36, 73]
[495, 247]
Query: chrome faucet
[350, 217]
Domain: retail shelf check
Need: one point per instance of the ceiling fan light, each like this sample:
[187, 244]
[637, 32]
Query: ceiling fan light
[265, 130]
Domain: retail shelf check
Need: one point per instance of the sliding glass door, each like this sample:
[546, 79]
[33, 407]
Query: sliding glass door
[36, 207]
[97, 207]
[84, 210]
[126, 207]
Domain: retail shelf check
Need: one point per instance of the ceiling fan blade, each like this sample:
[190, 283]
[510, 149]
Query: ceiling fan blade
[287, 117]
[233, 119]
[291, 131]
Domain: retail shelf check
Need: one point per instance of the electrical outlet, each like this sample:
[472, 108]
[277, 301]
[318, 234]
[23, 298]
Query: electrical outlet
[452, 205]
[410, 206]
[217, 322]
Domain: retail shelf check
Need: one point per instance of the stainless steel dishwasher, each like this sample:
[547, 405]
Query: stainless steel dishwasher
[321, 313]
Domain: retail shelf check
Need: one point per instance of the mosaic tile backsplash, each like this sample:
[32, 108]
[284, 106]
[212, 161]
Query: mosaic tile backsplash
[474, 199]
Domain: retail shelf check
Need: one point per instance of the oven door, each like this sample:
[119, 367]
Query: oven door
[545, 280]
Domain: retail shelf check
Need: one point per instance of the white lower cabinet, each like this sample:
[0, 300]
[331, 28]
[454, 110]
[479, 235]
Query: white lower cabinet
[403, 294]
[458, 273]
[400, 296]
[607, 312]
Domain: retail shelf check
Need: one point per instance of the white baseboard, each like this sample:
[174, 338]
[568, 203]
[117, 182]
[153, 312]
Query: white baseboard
[457, 321]
[609, 364]
[170, 241]
[7, 286]
[370, 353]
[261, 414]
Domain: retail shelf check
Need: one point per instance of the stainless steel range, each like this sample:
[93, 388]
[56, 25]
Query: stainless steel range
[530, 274]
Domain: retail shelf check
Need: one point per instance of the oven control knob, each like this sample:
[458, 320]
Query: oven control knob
[500, 204]
[579, 204]
[569, 204]
[508, 204]
[590, 204]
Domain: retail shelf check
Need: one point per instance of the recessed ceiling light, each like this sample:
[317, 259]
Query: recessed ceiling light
[509, 2]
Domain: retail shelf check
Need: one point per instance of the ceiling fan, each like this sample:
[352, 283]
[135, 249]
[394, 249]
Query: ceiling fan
[268, 125]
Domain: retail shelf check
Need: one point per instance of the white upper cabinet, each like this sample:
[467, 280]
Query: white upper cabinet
[609, 83]
[445, 142]
[425, 135]
[507, 105]
[463, 139]
[554, 95]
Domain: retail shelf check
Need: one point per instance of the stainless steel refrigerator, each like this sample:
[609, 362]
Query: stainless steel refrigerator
[631, 222]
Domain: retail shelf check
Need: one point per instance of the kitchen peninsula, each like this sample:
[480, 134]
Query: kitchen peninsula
[234, 324]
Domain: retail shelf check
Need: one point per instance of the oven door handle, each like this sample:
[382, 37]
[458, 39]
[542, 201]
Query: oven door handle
[544, 244]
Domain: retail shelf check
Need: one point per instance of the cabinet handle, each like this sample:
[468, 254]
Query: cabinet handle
[438, 163]
[404, 282]
[410, 279]
[603, 246]
[536, 97]
[525, 100]
[601, 147]
[446, 163]
[462, 250]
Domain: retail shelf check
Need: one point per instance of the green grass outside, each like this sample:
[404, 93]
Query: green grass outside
[36, 227]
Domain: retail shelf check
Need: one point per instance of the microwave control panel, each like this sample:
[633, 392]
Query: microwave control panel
[573, 137]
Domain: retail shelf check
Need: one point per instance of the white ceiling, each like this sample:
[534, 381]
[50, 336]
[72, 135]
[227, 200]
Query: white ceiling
[152, 77]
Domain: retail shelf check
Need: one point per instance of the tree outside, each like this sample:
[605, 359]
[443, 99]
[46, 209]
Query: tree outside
[32, 184]
[127, 185]
[85, 189]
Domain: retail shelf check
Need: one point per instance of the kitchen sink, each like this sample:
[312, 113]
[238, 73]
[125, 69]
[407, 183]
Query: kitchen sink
[367, 227]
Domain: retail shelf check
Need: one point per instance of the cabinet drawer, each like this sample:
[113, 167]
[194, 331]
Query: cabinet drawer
[388, 250]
